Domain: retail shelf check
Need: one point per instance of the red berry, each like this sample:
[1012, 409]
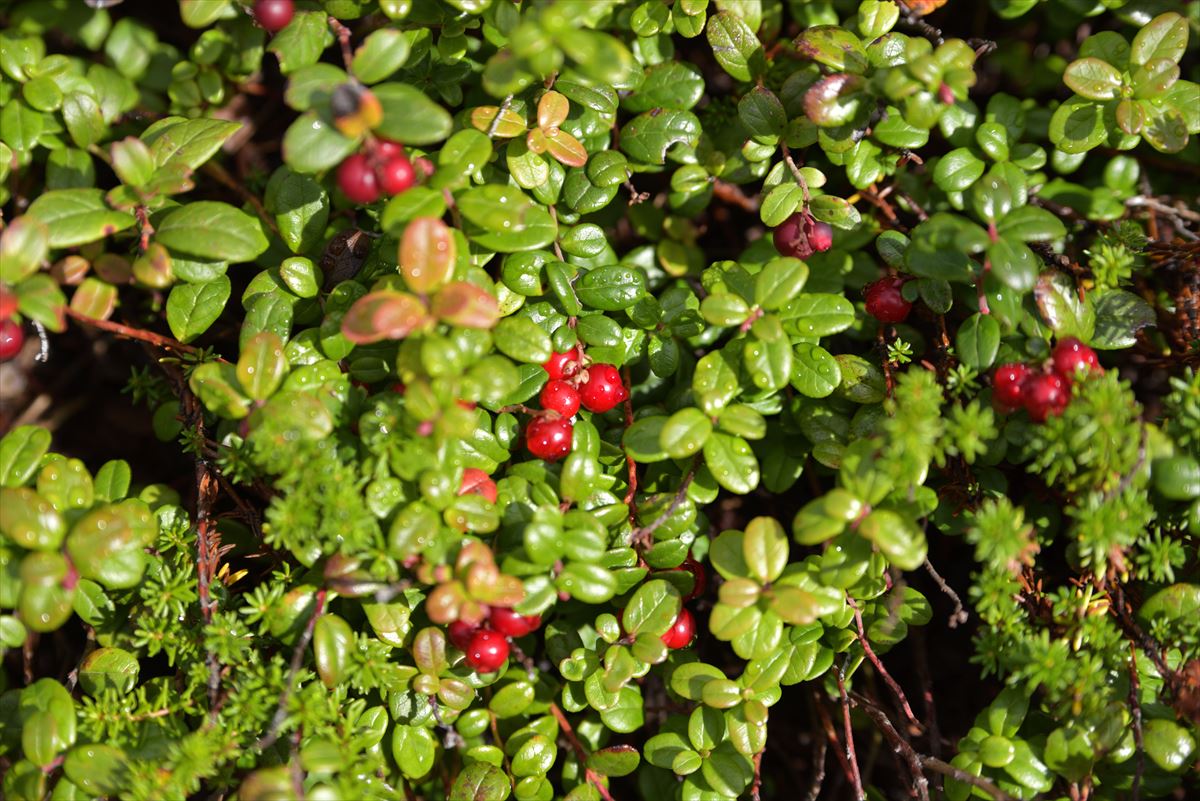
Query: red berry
[512, 624]
[563, 365]
[386, 150]
[884, 301]
[274, 15]
[698, 575]
[357, 179]
[604, 389]
[681, 632]
[476, 481]
[560, 396]
[8, 303]
[820, 236]
[396, 174]
[1008, 385]
[549, 437]
[11, 339]
[461, 632]
[486, 651]
[1046, 394]
[1070, 356]
[791, 239]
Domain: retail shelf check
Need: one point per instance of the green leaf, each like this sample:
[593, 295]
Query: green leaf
[899, 540]
[653, 608]
[670, 85]
[1031, 224]
[189, 143]
[834, 210]
[480, 781]
[301, 43]
[1077, 126]
[978, 341]
[311, 144]
[727, 771]
[714, 382]
[765, 549]
[21, 126]
[685, 433]
[1062, 309]
[895, 131]
[957, 170]
[1119, 317]
[74, 217]
[1093, 78]
[615, 760]
[648, 137]
[191, 228]
[816, 314]
[815, 372]
[589, 583]
[642, 440]
[301, 208]
[779, 281]
[192, 308]
[414, 750]
[780, 203]
[409, 116]
[1165, 36]
[611, 288]
[40, 299]
[262, 365]
[382, 53]
[1013, 263]
[522, 340]
[84, 121]
[834, 47]
[731, 462]
[24, 245]
[762, 113]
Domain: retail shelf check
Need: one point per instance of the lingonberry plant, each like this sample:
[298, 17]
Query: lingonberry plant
[659, 399]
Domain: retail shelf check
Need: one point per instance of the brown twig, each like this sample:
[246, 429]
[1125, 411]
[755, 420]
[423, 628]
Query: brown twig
[754, 788]
[733, 194]
[208, 544]
[946, 769]
[831, 735]
[267, 740]
[814, 789]
[1135, 704]
[899, 744]
[223, 177]
[581, 754]
[645, 532]
[129, 332]
[960, 614]
[851, 758]
[879, 668]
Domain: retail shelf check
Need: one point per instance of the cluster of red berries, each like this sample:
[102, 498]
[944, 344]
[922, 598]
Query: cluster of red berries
[1047, 392]
[884, 300]
[12, 336]
[597, 388]
[364, 177]
[799, 236]
[486, 645]
[273, 15]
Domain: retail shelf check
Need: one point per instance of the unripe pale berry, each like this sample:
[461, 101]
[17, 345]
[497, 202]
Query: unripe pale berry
[604, 389]
[561, 397]
[12, 338]
[513, 624]
[357, 180]
[476, 481]
[884, 301]
[681, 632]
[487, 651]
[1008, 385]
[1046, 394]
[549, 437]
[274, 15]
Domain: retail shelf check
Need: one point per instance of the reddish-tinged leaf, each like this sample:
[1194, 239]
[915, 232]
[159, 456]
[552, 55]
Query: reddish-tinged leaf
[427, 254]
[536, 141]
[385, 314]
[552, 110]
[95, 298]
[466, 305]
[565, 148]
[511, 123]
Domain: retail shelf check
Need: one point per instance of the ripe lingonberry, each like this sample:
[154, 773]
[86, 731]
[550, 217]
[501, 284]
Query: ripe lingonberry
[357, 180]
[11, 339]
[884, 301]
[386, 150]
[820, 236]
[549, 437]
[560, 396]
[1046, 394]
[1008, 385]
[512, 624]
[476, 481]
[681, 632]
[700, 578]
[791, 237]
[604, 389]
[1070, 357]
[461, 632]
[486, 651]
[563, 365]
[274, 15]
[396, 175]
